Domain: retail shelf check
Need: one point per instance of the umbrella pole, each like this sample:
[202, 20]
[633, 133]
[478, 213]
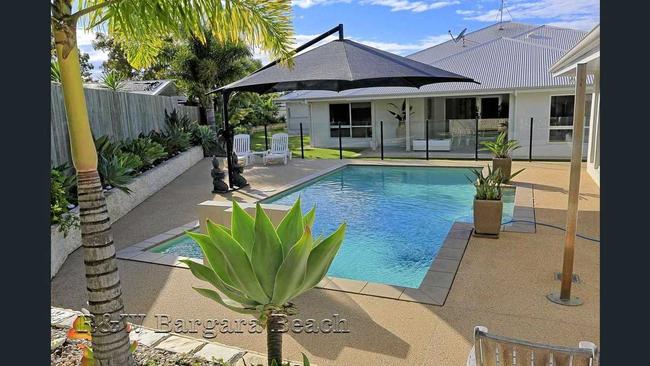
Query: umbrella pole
[564, 297]
[228, 137]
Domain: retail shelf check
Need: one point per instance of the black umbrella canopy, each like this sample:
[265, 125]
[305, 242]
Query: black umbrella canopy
[340, 65]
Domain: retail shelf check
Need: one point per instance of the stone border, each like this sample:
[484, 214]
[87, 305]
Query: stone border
[437, 282]
[172, 342]
[120, 203]
[523, 215]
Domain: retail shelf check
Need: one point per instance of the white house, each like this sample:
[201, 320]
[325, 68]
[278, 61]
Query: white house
[587, 53]
[510, 60]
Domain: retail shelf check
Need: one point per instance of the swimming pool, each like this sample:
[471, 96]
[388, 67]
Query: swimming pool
[398, 217]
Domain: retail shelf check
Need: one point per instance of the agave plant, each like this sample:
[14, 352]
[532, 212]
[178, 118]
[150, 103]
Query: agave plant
[207, 137]
[115, 172]
[258, 269]
[501, 147]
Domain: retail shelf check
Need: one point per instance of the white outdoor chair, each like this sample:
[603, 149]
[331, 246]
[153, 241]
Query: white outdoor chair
[242, 147]
[494, 350]
[279, 149]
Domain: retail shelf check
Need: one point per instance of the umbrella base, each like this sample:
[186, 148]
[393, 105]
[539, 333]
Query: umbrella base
[555, 298]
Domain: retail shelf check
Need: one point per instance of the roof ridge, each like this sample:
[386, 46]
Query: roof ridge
[534, 44]
[493, 41]
[564, 28]
[467, 50]
[474, 31]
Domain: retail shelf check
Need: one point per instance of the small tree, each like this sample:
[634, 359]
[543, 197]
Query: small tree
[259, 269]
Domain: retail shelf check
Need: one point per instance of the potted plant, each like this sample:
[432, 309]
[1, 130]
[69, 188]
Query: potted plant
[501, 149]
[488, 203]
[400, 116]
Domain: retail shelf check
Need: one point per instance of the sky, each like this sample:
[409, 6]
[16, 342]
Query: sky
[405, 26]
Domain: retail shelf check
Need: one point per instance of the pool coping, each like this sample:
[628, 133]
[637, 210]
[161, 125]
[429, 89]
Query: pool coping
[437, 282]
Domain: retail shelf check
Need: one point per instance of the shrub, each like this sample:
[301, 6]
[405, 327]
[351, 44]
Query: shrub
[130, 160]
[206, 137]
[184, 123]
[115, 172]
[148, 150]
[69, 182]
[59, 204]
[177, 135]
[176, 140]
[105, 147]
[113, 80]
[241, 129]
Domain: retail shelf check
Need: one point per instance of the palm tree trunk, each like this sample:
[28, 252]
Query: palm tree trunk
[274, 339]
[110, 338]
[209, 112]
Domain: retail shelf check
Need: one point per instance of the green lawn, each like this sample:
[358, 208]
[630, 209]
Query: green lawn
[257, 144]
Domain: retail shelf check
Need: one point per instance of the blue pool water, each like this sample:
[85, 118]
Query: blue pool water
[397, 218]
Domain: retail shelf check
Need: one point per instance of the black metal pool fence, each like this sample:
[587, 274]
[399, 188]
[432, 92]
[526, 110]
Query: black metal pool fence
[466, 155]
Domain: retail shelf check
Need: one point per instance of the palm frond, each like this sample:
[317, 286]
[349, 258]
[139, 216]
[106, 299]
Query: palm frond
[141, 25]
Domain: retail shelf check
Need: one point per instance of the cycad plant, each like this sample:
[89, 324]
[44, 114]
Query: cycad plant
[501, 147]
[258, 268]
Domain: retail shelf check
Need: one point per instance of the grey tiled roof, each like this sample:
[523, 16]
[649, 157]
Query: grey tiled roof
[516, 57]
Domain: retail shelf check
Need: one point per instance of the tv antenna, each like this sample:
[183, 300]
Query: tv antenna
[459, 37]
[501, 9]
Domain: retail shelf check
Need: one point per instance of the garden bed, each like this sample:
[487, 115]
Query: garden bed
[119, 203]
[69, 354]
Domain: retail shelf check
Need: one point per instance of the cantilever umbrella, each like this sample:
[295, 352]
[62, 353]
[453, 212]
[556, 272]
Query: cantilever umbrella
[338, 65]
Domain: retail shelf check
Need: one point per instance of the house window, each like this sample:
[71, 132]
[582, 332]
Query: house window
[355, 119]
[490, 107]
[561, 122]
[460, 108]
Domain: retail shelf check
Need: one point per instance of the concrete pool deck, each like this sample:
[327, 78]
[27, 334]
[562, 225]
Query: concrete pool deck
[499, 283]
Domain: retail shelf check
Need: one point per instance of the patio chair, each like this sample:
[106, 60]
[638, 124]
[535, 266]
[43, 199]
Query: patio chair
[494, 350]
[279, 149]
[242, 147]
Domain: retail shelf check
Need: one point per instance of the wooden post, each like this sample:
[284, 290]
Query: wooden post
[564, 297]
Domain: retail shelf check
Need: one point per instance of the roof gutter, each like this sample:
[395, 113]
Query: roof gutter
[590, 41]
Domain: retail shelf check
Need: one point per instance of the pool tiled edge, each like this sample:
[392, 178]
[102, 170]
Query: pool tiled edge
[139, 252]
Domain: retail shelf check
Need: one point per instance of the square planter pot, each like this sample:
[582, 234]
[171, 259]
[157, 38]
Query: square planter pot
[487, 217]
[505, 164]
